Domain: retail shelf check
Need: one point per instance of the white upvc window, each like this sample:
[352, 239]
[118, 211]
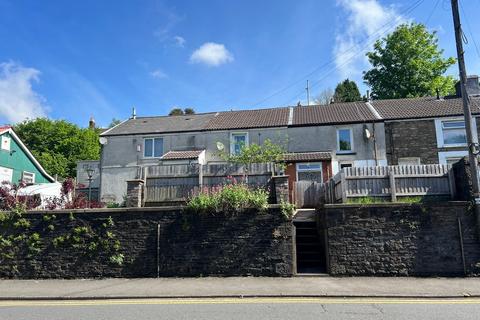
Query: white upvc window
[152, 147]
[450, 157]
[451, 132]
[28, 177]
[344, 140]
[238, 140]
[309, 171]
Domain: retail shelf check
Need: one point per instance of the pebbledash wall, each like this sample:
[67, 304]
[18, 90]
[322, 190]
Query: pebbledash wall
[176, 242]
[401, 239]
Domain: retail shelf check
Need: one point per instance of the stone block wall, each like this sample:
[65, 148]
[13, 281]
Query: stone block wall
[401, 239]
[164, 240]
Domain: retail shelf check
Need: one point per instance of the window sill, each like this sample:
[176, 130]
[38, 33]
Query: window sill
[345, 152]
[462, 145]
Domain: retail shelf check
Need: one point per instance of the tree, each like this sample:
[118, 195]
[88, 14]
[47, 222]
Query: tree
[347, 91]
[58, 144]
[114, 122]
[408, 63]
[176, 112]
[180, 112]
[188, 111]
[324, 97]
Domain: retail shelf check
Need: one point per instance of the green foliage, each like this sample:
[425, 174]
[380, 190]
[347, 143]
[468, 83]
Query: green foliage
[287, 209]
[117, 259]
[180, 112]
[58, 144]
[347, 91]
[114, 122]
[231, 198]
[268, 152]
[408, 63]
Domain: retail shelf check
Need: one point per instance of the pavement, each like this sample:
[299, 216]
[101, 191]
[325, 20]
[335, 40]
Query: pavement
[244, 287]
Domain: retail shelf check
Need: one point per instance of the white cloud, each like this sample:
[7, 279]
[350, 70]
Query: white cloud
[18, 100]
[158, 74]
[211, 54]
[366, 21]
[179, 41]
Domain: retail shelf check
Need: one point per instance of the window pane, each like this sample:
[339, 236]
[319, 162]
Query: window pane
[454, 136]
[239, 140]
[148, 152]
[309, 167]
[453, 124]
[310, 176]
[344, 143]
[158, 149]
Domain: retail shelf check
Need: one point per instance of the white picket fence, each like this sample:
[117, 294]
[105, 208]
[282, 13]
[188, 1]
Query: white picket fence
[390, 182]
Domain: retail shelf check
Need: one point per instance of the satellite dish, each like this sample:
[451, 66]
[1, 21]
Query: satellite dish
[367, 133]
[220, 146]
[103, 140]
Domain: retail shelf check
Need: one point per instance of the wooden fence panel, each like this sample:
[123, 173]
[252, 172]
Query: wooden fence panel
[178, 182]
[390, 181]
[309, 194]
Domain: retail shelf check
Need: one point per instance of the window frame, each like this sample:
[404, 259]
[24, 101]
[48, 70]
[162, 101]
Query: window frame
[352, 148]
[28, 172]
[439, 131]
[232, 144]
[298, 170]
[153, 147]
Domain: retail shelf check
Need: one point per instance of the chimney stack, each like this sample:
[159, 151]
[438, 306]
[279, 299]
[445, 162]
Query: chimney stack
[473, 87]
[91, 123]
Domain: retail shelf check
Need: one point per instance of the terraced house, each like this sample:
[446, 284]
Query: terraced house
[319, 140]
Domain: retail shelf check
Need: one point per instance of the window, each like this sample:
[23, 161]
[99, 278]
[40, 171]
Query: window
[450, 157]
[237, 141]
[153, 147]
[311, 171]
[28, 177]
[346, 165]
[344, 141]
[408, 161]
[6, 174]
[6, 143]
[453, 133]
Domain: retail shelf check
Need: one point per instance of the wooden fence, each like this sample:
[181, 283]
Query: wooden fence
[390, 182]
[175, 183]
[308, 194]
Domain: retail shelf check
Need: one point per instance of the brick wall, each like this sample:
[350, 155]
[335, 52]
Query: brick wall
[414, 138]
[248, 243]
[400, 239]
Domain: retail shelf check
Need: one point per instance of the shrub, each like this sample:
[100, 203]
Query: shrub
[230, 198]
[287, 209]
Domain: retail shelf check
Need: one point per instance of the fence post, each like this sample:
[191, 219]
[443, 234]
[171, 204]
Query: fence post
[451, 182]
[200, 175]
[393, 188]
[343, 185]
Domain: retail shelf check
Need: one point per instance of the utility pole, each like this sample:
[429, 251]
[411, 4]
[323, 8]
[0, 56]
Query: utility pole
[471, 132]
[308, 94]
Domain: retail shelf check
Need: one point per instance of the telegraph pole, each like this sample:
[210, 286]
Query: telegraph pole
[471, 132]
[308, 94]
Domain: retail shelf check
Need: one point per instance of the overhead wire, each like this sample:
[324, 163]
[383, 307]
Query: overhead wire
[410, 8]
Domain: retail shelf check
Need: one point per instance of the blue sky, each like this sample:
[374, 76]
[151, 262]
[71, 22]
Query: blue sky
[73, 59]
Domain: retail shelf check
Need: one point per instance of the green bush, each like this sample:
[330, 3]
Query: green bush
[228, 198]
[287, 209]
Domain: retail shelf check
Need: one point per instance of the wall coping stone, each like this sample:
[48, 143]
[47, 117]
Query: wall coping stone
[119, 210]
[395, 204]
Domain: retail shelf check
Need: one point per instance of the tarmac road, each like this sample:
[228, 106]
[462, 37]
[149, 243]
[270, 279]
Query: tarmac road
[247, 308]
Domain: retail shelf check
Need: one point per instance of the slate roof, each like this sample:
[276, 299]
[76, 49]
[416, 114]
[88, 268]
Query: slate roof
[307, 156]
[162, 124]
[416, 108]
[246, 119]
[333, 113]
[337, 113]
[181, 155]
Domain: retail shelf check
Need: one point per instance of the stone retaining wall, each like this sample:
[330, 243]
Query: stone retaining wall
[401, 239]
[164, 240]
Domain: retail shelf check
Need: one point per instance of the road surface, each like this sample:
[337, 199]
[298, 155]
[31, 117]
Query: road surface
[248, 308]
